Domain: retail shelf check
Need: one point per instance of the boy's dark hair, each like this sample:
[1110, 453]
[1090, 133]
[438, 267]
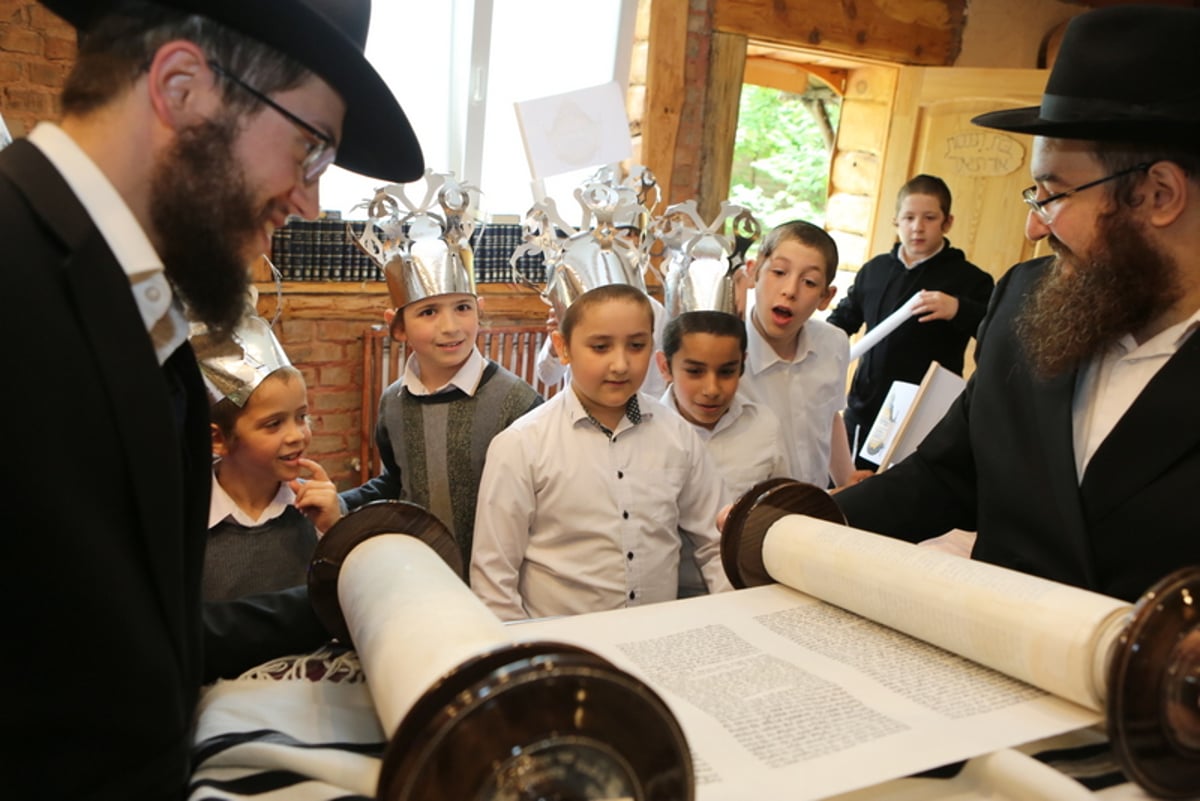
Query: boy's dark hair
[717, 323]
[926, 185]
[602, 294]
[119, 47]
[224, 413]
[806, 234]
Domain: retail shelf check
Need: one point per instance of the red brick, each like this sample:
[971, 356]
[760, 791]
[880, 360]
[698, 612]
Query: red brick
[20, 40]
[298, 352]
[327, 443]
[340, 423]
[322, 352]
[16, 11]
[343, 330]
[338, 375]
[38, 103]
[308, 371]
[58, 48]
[12, 71]
[296, 331]
[45, 73]
[321, 402]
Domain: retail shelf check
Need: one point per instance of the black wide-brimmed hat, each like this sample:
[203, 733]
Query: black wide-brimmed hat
[328, 37]
[1124, 73]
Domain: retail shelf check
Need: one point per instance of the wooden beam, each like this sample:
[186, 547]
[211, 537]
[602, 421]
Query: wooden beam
[924, 32]
[665, 90]
[791, 76]
[727, 64]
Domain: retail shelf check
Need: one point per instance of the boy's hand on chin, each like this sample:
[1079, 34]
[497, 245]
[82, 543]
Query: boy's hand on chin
[317, 497]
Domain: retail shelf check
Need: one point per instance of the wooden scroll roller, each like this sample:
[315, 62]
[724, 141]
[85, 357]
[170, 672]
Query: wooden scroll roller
[1138, 663]
[469, 713]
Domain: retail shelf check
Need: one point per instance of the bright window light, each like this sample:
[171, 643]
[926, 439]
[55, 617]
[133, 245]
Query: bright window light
[458, 85]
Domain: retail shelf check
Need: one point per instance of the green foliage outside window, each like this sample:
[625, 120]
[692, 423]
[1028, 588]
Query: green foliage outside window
[781, 159]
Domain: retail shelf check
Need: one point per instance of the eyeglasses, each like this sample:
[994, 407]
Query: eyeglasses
[1039, 206]
[321, 153]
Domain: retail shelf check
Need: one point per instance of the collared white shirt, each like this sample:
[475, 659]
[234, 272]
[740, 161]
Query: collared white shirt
[571, 521]
[1111, 382]
[162, 317]
[223, 506]
[466, 379]
[804, 393]
[902, 255]
[746, 443]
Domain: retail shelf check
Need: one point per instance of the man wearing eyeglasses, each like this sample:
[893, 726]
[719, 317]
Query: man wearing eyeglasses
[1075, 450]
[190, 132]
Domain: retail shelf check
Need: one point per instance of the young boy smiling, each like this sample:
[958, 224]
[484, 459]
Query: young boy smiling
[588, 496]
[264, 519]
[435, 423]
[796, 366]
[702, 360]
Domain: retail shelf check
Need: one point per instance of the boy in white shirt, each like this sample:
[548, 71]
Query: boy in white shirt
[584, 500]
[795, 365]
[702, 359]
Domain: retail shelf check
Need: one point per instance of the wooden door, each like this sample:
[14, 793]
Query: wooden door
[931, 132]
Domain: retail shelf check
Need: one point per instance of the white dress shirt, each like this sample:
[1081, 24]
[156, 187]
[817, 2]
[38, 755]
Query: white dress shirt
[1110, 383]
[162, 317]
[746, 443]
[223, 506]
[804, 393]
[466, 379]
[573, 521]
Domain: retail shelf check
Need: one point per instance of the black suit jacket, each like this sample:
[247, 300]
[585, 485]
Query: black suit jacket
[107, 474]
[1002, 462]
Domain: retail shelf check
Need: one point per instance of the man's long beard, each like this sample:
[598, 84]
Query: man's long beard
[204, 216]
[1083, 304]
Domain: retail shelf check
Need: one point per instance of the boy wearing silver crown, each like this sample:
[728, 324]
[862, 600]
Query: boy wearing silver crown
[436, 422]
[589, 496]
[264, 519]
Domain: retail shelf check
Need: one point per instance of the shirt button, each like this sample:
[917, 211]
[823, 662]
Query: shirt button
[152, 294]
[620, 474]
[629, 556]
[632, 595]
[625, 515]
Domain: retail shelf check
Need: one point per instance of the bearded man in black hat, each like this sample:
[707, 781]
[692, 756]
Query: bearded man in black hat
[1075, 450]
[191, 130]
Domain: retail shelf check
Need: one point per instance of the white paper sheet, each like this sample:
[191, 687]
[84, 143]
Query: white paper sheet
[887, 326]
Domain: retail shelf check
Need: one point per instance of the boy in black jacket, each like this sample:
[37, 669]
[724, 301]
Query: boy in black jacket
[953, 298]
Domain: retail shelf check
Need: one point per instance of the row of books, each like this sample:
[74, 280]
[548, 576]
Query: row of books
[323, 250]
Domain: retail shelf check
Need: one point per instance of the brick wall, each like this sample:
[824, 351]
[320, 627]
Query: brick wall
[330, 353]
[36, 52]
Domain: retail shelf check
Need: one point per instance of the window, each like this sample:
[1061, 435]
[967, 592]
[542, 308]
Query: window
[458, 66]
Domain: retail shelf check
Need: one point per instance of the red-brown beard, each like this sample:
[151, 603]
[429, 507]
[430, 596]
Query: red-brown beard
[205, 217]
[1084, 303]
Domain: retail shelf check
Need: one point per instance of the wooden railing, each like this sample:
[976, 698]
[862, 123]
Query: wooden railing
[514, 347]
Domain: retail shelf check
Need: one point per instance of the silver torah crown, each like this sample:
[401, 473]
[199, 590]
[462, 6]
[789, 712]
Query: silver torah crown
[608, 248]
[234, 367]
[422, 252]
[699, 264]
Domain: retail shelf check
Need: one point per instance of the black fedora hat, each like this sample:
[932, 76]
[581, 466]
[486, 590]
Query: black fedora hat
[1123, 73]
[328, 37]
